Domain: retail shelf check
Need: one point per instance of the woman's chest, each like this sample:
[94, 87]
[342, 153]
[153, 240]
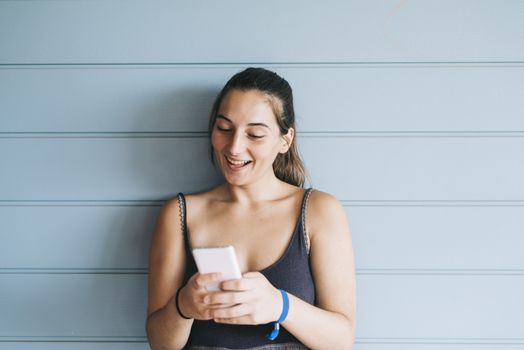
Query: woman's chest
[259, 239]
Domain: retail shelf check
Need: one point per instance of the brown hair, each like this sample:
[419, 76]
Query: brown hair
[288, 166]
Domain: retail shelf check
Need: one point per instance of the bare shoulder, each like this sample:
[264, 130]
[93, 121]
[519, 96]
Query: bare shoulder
[171, 206]
[200, 198]
[169, 217]
[199, 202]
[324, 211]
[319, 200]
[167, 235]
[323, 206]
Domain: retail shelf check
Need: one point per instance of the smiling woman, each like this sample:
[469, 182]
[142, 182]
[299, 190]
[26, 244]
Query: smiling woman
[247, 141]
[268, 97]
[298, 269]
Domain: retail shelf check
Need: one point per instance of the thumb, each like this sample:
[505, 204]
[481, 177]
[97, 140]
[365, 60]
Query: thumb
[251, 274]
[202, 280]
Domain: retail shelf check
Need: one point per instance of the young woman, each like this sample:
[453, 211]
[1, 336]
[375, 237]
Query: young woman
[293, 245]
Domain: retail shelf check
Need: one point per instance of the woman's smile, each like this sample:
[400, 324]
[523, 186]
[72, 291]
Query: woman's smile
[236, 165]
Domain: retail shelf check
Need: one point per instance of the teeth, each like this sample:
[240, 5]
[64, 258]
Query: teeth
[237, 162]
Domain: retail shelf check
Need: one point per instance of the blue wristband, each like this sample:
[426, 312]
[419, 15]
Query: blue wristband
[285, 309]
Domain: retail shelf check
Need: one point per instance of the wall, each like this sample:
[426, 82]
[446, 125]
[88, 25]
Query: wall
[410, 112]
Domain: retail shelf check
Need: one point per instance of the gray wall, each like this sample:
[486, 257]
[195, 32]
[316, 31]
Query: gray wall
[410, 112]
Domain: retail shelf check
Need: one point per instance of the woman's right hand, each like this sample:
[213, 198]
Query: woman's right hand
[191, 296]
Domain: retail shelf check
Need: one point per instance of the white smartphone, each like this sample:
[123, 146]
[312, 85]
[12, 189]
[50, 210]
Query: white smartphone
[217, 259]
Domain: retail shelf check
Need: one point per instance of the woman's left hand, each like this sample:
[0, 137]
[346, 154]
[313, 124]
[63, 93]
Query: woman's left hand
[250, 300]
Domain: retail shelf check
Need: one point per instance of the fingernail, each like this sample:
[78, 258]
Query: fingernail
[206, 300]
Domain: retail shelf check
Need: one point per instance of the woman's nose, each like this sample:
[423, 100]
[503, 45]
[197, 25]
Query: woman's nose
[237, 143]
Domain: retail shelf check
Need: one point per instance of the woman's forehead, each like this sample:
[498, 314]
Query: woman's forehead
[245, 107]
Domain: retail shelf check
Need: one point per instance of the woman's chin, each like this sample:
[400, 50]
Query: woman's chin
[235, 178]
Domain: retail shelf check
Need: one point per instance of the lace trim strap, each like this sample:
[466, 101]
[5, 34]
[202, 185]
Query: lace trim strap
[182, 212]
[304, 217]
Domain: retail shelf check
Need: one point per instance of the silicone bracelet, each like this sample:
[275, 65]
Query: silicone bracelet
[285, 309]
[178, 306]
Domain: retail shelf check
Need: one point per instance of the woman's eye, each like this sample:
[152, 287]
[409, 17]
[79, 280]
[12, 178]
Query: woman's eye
[223, 129]
[256, 136]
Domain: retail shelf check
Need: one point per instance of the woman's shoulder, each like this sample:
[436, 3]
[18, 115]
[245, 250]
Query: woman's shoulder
[193, 203]
[324, 210]
[319, 200]
[196, 196]
[202, 197]
[174, 206]
[170, 212]
[173, 214]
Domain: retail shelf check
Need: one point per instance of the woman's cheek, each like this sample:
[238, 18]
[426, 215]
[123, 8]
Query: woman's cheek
[214, 140]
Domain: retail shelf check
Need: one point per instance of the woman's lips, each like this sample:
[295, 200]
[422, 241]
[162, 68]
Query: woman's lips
[235, 164]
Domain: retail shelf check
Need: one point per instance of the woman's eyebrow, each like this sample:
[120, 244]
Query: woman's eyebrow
[259, 124]
[224, 117]
[250, 124]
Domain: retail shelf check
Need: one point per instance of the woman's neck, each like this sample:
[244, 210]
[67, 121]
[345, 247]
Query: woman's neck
[265, 189]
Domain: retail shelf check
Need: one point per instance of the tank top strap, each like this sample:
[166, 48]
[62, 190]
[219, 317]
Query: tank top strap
[182, 212]
[303, 216]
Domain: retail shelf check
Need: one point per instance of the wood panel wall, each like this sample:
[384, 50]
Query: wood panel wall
[411, 113]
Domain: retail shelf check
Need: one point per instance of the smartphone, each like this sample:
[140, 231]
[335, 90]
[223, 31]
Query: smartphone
[217, 259]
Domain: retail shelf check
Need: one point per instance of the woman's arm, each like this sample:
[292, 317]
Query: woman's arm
[166, 329]
[330, 325]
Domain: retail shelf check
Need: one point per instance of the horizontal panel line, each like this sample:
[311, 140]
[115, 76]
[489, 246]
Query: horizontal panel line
[433, 203]
[368, 271]
[307, 134]
[345, 203]
[445, 272]
[80, 203]
[410, 134]
[96, 135]
[73, 271]
[449, 341]
[289, 64]
[358, 340]
[73, 339]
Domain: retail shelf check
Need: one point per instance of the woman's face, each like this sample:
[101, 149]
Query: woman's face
[246, 137]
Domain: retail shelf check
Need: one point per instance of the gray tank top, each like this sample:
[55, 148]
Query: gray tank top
[292, 273]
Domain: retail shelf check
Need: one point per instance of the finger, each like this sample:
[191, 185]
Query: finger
[242, 284]
[202, 280]
[251, 274]
[226, 298]
[246, 320]
[231, 312]
[219, 306]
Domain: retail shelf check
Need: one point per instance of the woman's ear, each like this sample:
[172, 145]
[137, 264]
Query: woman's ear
[287, 139]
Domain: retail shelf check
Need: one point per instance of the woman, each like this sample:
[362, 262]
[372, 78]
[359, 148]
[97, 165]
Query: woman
[297, 269]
